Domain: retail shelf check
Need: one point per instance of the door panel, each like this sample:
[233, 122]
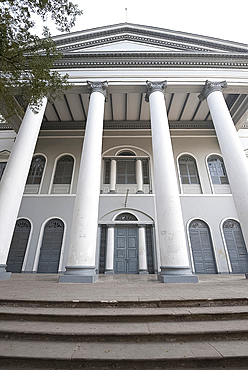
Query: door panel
[126, 250]
[202, 250]
[51, 247]
[18, 246]
[236, 247]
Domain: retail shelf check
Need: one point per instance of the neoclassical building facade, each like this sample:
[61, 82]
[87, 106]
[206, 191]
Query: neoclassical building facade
[140, 168]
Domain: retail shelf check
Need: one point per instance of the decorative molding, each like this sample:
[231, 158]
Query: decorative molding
[154, 86]
[147, 35]
[150, 61]
[130, 125]
[97, 86]
[211, 87]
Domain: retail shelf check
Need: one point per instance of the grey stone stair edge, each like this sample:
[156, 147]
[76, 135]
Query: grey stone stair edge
[137, 302]
[201, 363]
[124, 317]
[134, 338]
[172, 355]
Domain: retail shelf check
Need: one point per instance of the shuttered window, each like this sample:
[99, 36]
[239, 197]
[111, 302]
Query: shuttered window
[217, 170]
[202, 249]
[107, 171]
[236, 247]
[36, 170]
[2, 168]
[145, 168]
[51, 247]
[18, 246]
[126, 172]
[188, 170]
[64, 168]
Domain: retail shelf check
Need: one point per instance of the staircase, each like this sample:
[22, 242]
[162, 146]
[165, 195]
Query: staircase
[171, 334]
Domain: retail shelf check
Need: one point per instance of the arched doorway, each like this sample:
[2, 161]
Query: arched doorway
[202, 249]
[51, 247]
[236, 246]
[126, 255]
[18, 246]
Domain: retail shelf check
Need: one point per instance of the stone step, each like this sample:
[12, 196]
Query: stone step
[125, 303]
[112, 314]
[123, 355]
[123, 331]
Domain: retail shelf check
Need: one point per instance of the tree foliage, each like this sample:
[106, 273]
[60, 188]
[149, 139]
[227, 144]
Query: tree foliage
[26, 60]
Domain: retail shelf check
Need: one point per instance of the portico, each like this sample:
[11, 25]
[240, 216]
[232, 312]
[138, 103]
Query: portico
[129, 161]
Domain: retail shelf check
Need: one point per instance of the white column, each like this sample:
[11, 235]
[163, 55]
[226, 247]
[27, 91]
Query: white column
[14, 179]
[231, 149]
[142, 250]
[109, 266]
[82, 254]
[112, 176]
[139, 176]
[171, 234]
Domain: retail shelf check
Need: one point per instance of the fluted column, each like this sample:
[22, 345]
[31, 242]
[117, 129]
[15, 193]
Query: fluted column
[14, 179]
[175, 266]
[231, 149]
[109, 266]
[142, 250]
[82, 254]
[112, 176]
[139, 176]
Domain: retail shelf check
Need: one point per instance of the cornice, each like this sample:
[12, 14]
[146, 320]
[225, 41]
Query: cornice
[130, 125]
[152, 61]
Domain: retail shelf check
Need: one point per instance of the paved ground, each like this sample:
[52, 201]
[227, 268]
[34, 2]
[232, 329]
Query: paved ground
[122, 288]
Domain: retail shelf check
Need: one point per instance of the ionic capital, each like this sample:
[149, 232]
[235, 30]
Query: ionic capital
[210, 87]
[98, 86]
[154, 86]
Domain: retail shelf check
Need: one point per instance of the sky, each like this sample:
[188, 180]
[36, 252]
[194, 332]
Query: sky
[223, 19]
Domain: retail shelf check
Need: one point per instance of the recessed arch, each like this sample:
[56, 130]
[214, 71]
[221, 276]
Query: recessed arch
[63, 174]
[188, 173]
[235, 244]
[202, 247]
[217, 174]
[36, 174]
[18, 247]
[51, 246]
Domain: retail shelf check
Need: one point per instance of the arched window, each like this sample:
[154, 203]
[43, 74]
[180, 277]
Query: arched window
[18, 246]
[51, 247]
[218, 174]
[2, 168]
[126, 217]
[35, 174]
[189, 174]
[4, 155]
[127, 153]
[63, 175]
[202, 249]
[236, 246]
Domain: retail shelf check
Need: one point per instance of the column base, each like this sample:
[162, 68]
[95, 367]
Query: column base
[176, 275]
[79, 274]
[143, 272]
[4, 275]
[139, 192]
[109, 272]
[112, 192]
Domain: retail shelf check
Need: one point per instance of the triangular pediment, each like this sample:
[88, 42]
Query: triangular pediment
[135, 38]
[125, 46]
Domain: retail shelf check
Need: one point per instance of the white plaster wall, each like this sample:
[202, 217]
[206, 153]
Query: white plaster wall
[211, 208]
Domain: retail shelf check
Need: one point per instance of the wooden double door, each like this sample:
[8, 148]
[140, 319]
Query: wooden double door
[126, 257]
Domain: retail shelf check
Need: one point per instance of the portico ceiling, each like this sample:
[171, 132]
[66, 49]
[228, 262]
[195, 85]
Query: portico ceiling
[131, 110]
